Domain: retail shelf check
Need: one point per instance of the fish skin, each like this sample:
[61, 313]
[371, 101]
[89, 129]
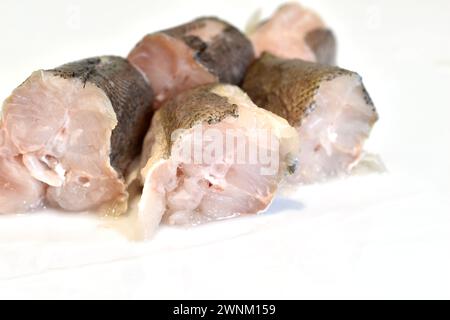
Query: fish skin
[323, 43]
[131, 98]
[193, 107]
[288, 87]
[227, 55]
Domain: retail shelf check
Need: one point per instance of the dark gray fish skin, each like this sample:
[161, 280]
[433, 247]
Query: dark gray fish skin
[323, 43]
[131, 98]
[227, 55]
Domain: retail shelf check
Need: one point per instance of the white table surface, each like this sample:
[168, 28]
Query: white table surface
[376, 236]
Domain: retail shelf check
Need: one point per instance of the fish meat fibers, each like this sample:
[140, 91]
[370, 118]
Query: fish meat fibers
[68, 135]
[295, 32]
[206, 50]
[329, 107]
[182, 190]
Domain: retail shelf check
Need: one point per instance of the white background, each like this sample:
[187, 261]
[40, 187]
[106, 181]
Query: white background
[377, 236]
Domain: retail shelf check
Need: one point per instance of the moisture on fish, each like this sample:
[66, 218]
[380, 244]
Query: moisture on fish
[68, 135]
[295, 32]
[192, 173]
[206, 50]
[329, 107]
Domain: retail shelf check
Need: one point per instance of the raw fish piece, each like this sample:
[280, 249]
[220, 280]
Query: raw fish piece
[67, 136]
[206, 50]
[182, 190]
[329, 106]
[295, 32]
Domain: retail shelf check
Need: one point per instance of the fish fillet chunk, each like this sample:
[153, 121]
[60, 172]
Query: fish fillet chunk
[295, 32]
[329, 107]
[206, 50]
[67, 136]
[203, 161]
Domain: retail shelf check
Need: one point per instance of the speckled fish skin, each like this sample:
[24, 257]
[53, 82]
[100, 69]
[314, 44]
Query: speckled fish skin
[131, 98]
[197, 106]
[287, 87]
[329, 106]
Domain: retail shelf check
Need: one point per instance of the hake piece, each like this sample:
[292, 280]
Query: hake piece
[206, 50]
[226, 181]
[330, 108]
[68, 135]
[295, 32]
